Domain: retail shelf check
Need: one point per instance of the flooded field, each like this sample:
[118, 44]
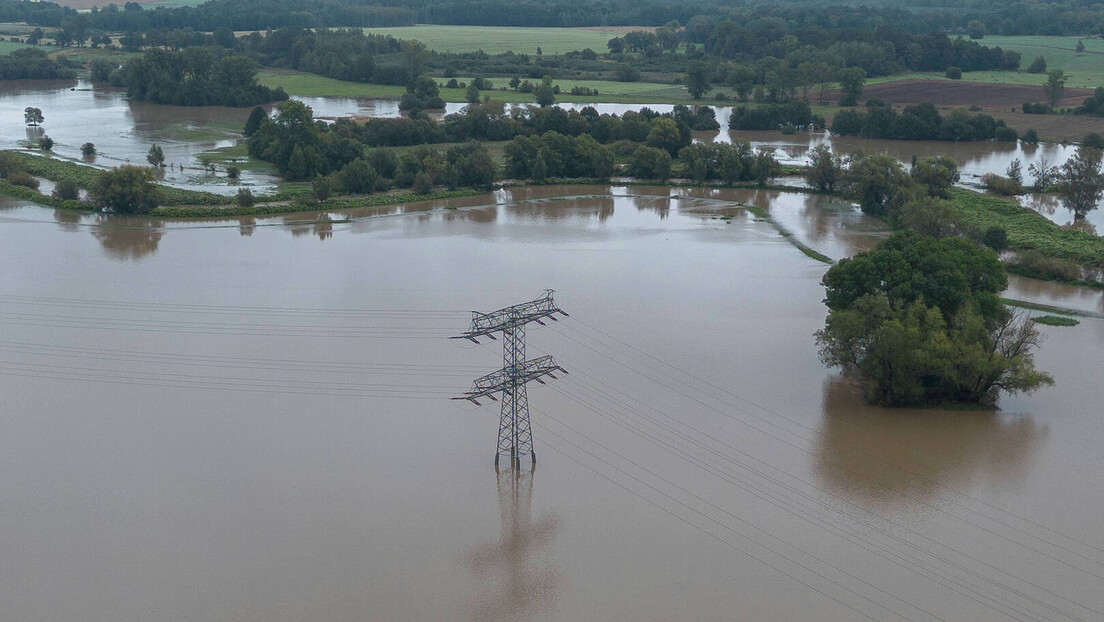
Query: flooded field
[248, 420]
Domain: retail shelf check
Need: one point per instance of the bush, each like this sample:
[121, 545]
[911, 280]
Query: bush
[1030, 137]
[422, 183]
[1006, 135]
[88, 150]
[66, 190]
[126, 190]
[1038, 65]
[1030, 108]
[995, 238]
[954, 73]
[322, 187]
[46, 143]
[1003, 186]
[233, 172]
[19, 178]
[1036, 264]
[245, 198]
[1093, 140]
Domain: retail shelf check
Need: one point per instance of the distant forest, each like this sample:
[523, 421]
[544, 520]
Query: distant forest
[1061, 17]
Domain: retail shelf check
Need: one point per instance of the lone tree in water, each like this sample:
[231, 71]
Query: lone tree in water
[126, 190]
[33, 116]
[1081, 181]
[155, 156]
[88, 150]
[919, 320]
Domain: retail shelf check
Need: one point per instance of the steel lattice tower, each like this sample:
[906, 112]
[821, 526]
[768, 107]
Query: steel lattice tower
[515, 436]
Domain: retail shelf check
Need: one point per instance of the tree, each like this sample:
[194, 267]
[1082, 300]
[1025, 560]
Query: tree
[874, 181]
[415, 57]
[1039, 65]
[1081, 181]
[88, 150]
[825, 168]
[626, 72]
[33, 116]
[545, 96]
[919, 320]
[472, 94]
[322, 187]
[126, 190]
[256, 117]
[665, 135]
[155, 156]
[936, 174]
[46, 143]
[975, 29]
[1080, 46]
[1055, 86]
[697, 79]
[851, 82]
[245, 198]
[1045, 174]
[66, 190]
[1093, 140]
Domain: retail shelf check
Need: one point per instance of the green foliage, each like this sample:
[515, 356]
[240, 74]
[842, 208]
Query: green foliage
[245, 198]
[257, 116]
[1027, 230]
[937, 174]
[697, 79]
[1081, 181]
[954, 73]
[1054, 320]
[919, 320]
[650, 163]
[1003, 186]
[995, 238]
[554, 155]
[665, 135]
[544, 95]
[1030, 137]
[874, 182]
[155, 156]
[825, 169]
[88, 150]
[195, 77]
[46, 143]
[1039, 65]
[33, 116]
[851, 82]
[322, 188]
[126, 190]
[930, 216]
[1055, 86]
[66, 190]
[19, 178]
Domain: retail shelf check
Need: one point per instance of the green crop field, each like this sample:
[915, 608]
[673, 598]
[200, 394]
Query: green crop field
[311, 85]
[1085, 69]
[495, 40]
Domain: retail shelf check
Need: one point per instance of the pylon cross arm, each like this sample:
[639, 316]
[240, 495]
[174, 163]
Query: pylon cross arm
[484, 324]
[495, 382]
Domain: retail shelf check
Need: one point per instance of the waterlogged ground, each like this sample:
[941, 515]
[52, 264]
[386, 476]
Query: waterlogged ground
[256, 411]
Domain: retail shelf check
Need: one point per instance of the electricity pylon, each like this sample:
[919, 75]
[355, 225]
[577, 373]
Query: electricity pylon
[515, 437]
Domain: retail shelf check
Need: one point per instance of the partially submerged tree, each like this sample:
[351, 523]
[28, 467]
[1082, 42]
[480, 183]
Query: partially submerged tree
[919, 321]
[126, 190]
[155, 156]
[825, 168]
[1081, 181]
[33, 116]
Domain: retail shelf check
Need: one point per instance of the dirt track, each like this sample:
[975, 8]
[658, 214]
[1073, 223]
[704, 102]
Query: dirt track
[956, 93]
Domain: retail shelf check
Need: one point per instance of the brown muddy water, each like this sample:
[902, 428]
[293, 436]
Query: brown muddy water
[248, 420]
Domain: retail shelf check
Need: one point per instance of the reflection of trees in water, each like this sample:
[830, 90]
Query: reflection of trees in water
[888, 459]
[68, 220]
[321, 227]
[122, 241]
[247, 225]
[521, 584]
[561, 209]
[35, 132]
[661, 205]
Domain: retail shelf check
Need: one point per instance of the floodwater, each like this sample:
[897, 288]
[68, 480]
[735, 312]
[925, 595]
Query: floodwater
[123, 130]
[77, 112]
[248, 420]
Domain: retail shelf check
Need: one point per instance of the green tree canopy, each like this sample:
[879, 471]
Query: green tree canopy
[126, 190]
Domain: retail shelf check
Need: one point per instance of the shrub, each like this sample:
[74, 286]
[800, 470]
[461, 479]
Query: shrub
[1004, 186]
[19, 178]
[233, 172]
[1030, 137]
[46, 143]
[1093, 140]
[88, 150]
[322, 187]
[995, 238]
[1036, 264]
[422, 183]
[1006, 135]
[245, 198]
[66, 190]
[954, 73]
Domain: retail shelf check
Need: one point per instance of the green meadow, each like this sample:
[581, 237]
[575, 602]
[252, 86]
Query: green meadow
[499, 39]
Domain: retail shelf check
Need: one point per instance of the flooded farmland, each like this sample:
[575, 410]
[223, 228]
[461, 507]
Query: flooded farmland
[248, 419]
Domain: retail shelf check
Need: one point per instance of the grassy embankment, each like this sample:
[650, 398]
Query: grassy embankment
[1030, 233]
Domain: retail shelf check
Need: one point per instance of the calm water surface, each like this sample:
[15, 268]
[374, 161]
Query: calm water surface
[247, 420]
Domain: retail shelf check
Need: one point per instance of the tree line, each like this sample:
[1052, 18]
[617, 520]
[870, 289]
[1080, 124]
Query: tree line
[919, 122]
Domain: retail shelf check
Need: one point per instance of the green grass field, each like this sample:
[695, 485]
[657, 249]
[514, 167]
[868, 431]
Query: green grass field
[495, 39]
[1086, 69]
[310, 85]
[7, 47]
[149, 6]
